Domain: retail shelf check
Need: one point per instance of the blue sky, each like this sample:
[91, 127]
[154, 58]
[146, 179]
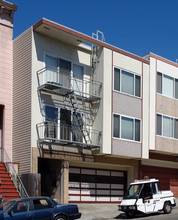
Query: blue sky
[137, 26]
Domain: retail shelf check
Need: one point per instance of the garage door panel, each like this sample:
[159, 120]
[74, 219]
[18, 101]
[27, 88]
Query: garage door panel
[94, 185]
[165, 175]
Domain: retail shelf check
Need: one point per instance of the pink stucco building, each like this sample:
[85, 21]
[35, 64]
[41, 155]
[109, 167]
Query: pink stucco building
[6, 33]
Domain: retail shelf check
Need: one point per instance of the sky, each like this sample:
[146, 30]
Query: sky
[137, 26]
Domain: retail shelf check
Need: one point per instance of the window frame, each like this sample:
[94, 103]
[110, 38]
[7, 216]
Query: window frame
[134, 80]
[162, 124]
[120, 128]
[162, 85]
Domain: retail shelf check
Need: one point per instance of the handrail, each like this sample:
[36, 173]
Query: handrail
[83, 87]
[14, 175]
[49, 130]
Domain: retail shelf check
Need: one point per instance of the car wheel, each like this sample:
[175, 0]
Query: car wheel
[60, 217]
[130, 214]
[167, 208]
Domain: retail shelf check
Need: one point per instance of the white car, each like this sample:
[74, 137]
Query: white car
[145, 196]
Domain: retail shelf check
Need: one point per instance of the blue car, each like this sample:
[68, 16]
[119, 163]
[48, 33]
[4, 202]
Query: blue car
[38, 208]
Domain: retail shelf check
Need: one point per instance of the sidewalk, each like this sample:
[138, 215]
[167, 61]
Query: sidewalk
[101, 211]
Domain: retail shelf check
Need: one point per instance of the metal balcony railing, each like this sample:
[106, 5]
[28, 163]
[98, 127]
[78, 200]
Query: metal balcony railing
[52, 132]
[63, 82]
[12, 170]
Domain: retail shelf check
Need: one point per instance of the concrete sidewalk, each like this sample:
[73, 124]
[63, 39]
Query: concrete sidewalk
[102, 211]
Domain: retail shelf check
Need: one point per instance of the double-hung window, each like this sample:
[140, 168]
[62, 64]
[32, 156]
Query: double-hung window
[167, 126]
[167, 85]
[126, 128]
[127, 82]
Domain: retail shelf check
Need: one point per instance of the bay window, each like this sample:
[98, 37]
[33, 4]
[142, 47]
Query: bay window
[126, 128]
[127, 82]
[167, 126]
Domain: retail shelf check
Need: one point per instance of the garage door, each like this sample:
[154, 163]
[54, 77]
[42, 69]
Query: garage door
[168, 177]
[95, 185]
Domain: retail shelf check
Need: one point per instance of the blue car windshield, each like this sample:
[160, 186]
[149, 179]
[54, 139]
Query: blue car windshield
[7, 204]
[133, 192]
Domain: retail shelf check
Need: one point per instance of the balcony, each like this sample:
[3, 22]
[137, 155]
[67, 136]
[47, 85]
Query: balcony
[62, 82]
[55, 133]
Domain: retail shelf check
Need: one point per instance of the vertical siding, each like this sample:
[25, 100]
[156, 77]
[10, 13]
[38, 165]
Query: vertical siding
[6, 80]
[22, 101]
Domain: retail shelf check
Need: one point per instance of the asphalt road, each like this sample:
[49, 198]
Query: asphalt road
[110, 212]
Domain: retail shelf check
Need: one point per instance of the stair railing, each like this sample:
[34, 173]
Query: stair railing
[13, 173]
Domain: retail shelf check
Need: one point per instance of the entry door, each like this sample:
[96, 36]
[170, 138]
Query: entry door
[148, 198]
[78, 79]
[51, 119]
[51, 74]
[65, 73]
[65, 124]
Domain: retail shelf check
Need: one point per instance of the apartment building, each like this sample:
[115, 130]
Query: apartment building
[163, 134]
[6, 33]
[81, 113]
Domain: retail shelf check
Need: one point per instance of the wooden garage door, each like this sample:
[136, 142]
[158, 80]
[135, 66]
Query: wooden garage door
[95, 185]
[168, 177]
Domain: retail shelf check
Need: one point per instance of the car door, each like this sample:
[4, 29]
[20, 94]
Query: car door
[42, 209]
[20, 211]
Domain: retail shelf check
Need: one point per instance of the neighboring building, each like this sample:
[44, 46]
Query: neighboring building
[6, 34]
[7, 188]
[85, 115]
[163, 143]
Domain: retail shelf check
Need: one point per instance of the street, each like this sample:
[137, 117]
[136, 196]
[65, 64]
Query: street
[109, 212]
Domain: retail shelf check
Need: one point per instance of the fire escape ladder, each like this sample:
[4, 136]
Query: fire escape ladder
[80, 118]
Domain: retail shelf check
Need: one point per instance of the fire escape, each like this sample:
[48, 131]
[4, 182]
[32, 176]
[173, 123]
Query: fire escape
[75, 94]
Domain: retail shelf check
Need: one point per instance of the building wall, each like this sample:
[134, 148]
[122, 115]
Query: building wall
[6, 32]
[161, 104]
[131, 106]
[22, 100]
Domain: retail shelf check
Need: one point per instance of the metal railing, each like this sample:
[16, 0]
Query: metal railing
[55, 132]
[10, 166]
[82, 86]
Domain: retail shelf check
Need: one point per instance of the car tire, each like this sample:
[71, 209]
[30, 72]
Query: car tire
[60, 217]
[167, 208]
[130, 214]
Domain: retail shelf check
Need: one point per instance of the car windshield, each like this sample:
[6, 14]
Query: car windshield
[7, 204]
[133, 191]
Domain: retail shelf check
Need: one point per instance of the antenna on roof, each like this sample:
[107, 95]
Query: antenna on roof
[98, 36]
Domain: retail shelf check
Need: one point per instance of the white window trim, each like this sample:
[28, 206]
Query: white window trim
[133, 128]
[135, 74]
[163, 86]
[162, 125]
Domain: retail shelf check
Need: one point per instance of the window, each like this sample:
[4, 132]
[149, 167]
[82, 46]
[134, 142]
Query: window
[127, 82]
[159, 83]
[167, 85]
[167, 126]
[126, 128]
[20, 207]
[116, 126]
[41, 204]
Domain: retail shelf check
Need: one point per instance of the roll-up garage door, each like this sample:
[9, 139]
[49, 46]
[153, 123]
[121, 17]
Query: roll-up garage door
[96, 185]
[168, 177]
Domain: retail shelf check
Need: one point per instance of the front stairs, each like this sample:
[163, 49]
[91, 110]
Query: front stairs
[7, 188]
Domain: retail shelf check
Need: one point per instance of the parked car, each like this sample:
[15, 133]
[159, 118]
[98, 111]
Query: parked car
[146, 197]
[38, 208]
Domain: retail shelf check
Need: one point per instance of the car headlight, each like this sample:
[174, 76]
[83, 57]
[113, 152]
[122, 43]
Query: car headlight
[132, 208]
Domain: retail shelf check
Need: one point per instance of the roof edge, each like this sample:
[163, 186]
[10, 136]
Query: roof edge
[88, 38]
